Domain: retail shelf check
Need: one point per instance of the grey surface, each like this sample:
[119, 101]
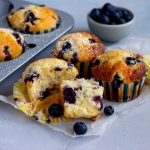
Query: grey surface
[40, 40]
[129, 133]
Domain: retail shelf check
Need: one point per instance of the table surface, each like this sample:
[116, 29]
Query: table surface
[131, 132]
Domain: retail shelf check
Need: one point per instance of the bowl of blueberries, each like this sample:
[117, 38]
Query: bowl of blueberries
[110, 23]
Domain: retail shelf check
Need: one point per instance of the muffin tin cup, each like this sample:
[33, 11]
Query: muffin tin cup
[124, 93]
[40, 40]
[84, 69]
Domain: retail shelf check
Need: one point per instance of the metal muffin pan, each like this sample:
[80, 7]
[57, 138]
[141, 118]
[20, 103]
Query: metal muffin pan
[41, 40]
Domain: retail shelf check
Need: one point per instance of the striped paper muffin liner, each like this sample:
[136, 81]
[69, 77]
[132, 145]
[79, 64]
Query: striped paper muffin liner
[123, 93]
[84, 69]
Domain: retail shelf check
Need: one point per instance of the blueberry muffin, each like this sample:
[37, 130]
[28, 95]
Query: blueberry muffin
[79, 48]
[34, 19]
[122, 73]
[39, 85]
[12, 44]
[82, 98]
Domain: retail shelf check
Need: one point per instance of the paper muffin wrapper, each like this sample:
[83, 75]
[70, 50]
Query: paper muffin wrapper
[123, 93]
[84, 69]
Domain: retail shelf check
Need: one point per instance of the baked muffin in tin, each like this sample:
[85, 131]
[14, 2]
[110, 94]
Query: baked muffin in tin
[38, 88]
[79, 48]
[12, 44]
[122, 73]
[34, 19]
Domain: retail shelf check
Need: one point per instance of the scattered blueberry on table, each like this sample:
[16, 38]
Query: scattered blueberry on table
[80, 128]
[111, 15]
[108, 110]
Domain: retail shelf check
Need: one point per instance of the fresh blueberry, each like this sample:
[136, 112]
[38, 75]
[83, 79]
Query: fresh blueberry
[109, 110]
[130, 61]
[120, 21]
[120, 12]
[103, 19]
[55, 110]
[80, 128]
[69, 95]
[109, 7]
[66, 46]
[127, 15]
[115, 15]
[95, 13]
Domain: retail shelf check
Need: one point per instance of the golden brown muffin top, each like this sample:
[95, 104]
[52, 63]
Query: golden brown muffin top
[33, 18]
[124, 65]
[11, 44]
[78, 47]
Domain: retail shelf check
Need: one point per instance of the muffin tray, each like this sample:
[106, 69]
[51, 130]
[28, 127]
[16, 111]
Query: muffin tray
[40, 40]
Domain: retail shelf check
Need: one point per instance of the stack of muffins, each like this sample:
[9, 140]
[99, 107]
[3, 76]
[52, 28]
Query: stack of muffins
[54, 88]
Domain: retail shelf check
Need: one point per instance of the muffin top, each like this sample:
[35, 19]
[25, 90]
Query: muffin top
[122, 65]
[12, 44]
[78, 47]
[33, 19]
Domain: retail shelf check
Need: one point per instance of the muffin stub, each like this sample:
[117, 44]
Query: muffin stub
[12, 44]
[122, 73]
[34, 19]
[38, 88]
[146, 59]
[82, 98]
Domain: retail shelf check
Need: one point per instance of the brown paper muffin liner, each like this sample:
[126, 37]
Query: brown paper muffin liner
[124, 92]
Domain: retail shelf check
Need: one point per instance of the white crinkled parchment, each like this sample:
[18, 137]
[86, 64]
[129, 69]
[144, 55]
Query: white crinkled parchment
[140, 45]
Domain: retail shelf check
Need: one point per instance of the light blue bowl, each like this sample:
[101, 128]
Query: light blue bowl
[110, 33]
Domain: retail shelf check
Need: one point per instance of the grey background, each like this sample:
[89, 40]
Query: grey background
[18, 132]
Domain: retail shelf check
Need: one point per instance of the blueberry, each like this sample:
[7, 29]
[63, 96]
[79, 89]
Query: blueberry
[108, 7]
[130, 61]
[92, 41]
[66, 46]
[31, 77]
[7, 54]
[115, 15]
[80, 128]
[30, 17]
[120, 12]
[74, 58]
[95, 13]
[97, 98]
[58, 69]
[109, 110]
[103, 19]
[55, 110]
[117, 82]
[45, 93]
[120, 21]
[127, 15]
[69, 95]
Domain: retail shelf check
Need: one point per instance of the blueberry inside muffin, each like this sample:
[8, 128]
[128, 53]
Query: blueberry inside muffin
[82, 98]
[12, 44]
[34, 19]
